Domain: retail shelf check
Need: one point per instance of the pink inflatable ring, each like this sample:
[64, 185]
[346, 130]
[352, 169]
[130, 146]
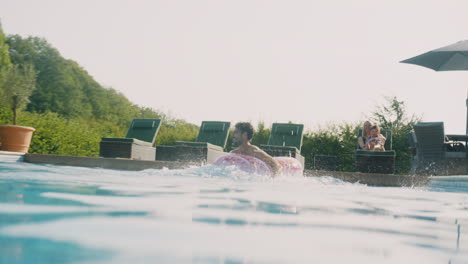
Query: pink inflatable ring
[289, 166]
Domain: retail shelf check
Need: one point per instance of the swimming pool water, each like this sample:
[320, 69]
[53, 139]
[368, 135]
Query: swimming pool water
[54, 214]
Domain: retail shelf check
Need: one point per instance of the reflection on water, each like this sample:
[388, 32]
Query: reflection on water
[32, 250]
[455, 184]
[52, 214]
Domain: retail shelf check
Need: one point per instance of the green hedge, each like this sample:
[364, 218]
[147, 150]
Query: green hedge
[80, 137]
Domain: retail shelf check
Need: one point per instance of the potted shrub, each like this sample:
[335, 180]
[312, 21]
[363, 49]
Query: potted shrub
[16, 87]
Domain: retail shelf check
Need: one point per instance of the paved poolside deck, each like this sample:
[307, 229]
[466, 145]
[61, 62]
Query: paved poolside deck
[128, 164]
[8, 156]
[107, 163]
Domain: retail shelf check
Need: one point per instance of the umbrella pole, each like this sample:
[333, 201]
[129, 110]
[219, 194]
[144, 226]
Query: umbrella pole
[466, 116]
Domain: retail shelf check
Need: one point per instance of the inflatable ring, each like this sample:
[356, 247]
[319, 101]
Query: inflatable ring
[289, 166]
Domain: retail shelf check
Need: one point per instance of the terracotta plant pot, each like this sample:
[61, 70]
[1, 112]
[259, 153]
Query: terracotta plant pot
[15, 138]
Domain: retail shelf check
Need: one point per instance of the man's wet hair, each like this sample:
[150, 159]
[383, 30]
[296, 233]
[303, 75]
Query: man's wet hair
[245, 127]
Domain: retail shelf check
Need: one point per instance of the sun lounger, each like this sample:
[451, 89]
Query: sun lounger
[209, 145]
[376, 161]
[434, 154]
[285, 140]
[137, 144]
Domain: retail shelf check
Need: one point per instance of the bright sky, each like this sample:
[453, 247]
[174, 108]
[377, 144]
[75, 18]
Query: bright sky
[310, 62]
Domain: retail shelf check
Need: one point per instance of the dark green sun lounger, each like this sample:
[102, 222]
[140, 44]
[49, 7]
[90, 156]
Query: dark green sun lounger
[376, 161]
[209, 145]
[137, 144]
[434, 154]
[285, 140]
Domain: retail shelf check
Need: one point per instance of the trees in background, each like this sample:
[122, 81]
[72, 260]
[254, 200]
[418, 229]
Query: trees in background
[66, 88]
[68, 108]
[17, 86]
[5, 64]
[71, 111]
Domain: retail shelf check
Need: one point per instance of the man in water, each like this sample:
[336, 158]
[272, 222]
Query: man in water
[243, 133]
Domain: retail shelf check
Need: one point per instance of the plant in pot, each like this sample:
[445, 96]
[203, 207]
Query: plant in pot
[17, 85]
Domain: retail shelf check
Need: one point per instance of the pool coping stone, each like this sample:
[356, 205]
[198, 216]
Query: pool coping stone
[107, 163]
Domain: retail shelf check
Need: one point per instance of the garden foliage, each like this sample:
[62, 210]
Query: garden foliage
[68, 108]
[71, 111]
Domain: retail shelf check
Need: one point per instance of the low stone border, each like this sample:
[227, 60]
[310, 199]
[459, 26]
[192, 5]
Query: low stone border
[107, 163]
[372, 179]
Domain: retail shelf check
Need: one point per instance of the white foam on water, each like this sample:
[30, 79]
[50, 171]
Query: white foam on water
[154, 239]
[217, 215]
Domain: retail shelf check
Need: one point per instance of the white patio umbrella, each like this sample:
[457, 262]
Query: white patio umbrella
[449, 58]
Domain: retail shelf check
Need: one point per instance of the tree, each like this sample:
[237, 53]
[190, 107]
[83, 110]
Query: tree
[57, 89]
[18, 85]
[5, 63]
[64, 87]
[261, 135]
[392, 115]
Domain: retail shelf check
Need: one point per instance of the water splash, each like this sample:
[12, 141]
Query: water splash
[221, 214]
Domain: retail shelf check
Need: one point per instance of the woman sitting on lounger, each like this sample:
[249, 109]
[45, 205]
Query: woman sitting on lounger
[365, 134]
[376, 141]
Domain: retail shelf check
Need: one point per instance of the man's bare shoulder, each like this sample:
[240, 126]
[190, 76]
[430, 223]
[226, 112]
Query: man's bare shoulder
[256, 151]
[235, 151]
[249, 150]
[259, 152]
[255, 148]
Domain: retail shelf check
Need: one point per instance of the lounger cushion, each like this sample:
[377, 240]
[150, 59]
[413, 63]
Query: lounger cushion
[286, 135]
[144, 129]
[455, 155]
[280, 148]
[127, 140]
[214, 132]
[287, 130]
[143, 123]
[390, 153]
[198, 145]
[213, 127]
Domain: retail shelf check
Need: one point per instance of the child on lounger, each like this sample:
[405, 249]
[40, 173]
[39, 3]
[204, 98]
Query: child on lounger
[375, 141]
